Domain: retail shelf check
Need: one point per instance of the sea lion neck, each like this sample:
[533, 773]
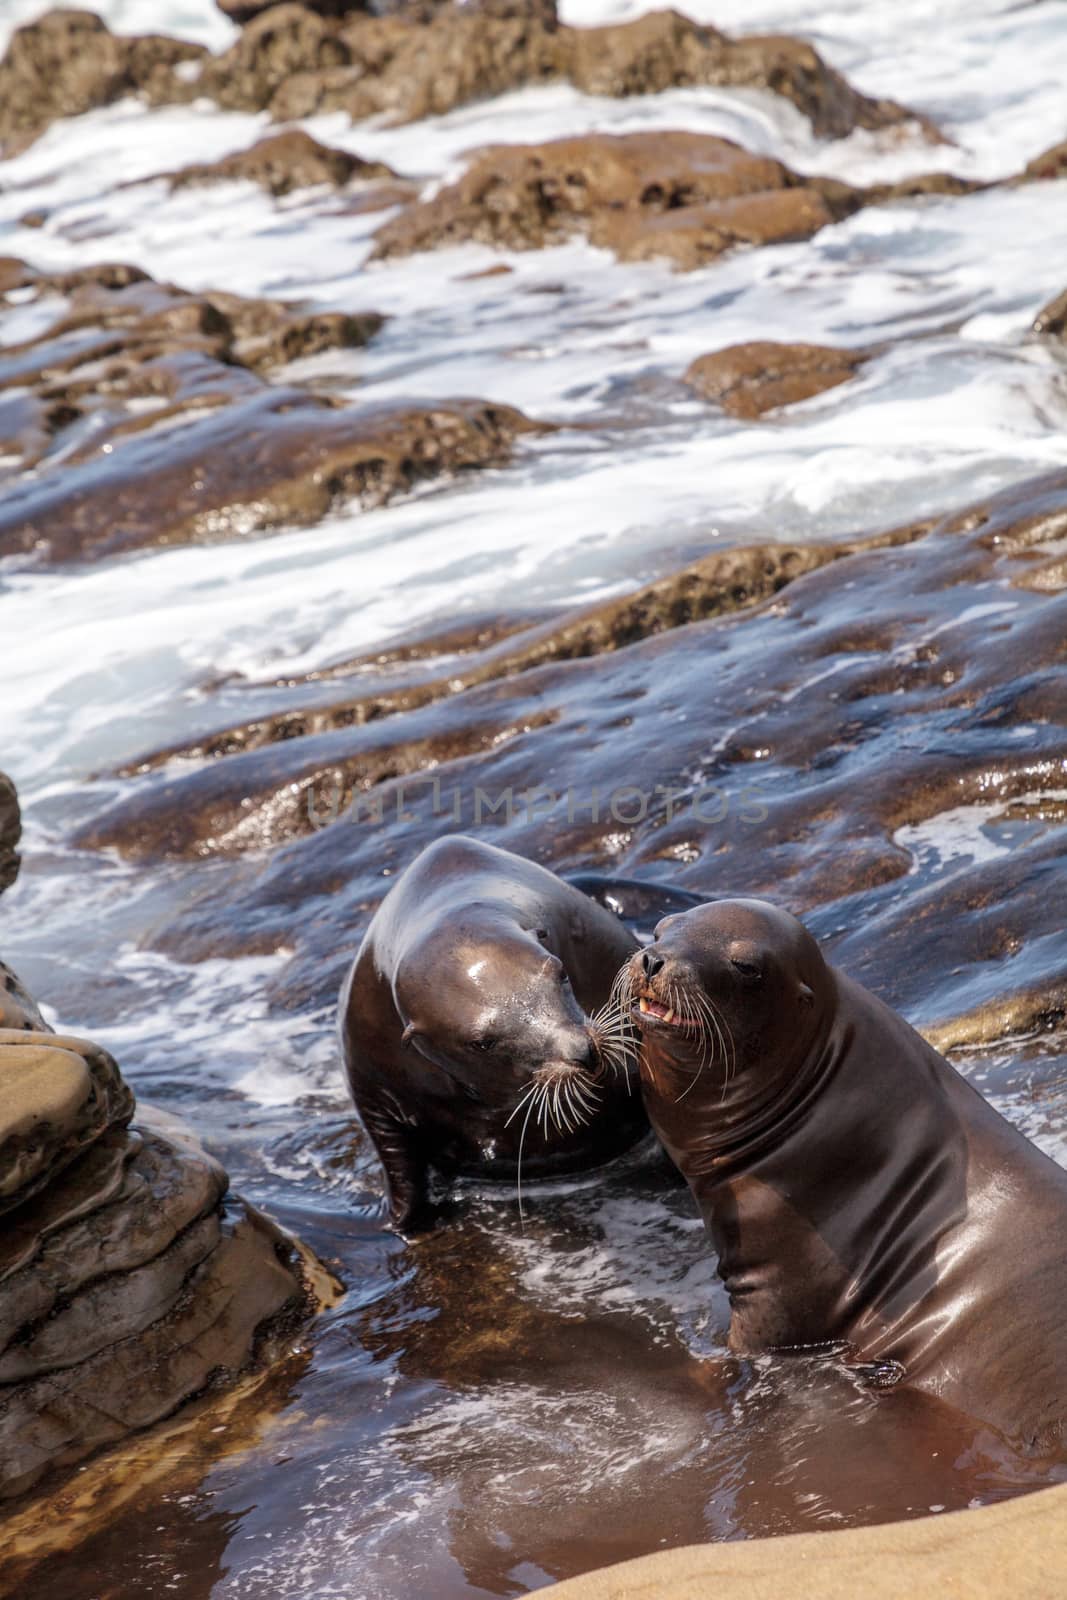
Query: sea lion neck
[715, 1117]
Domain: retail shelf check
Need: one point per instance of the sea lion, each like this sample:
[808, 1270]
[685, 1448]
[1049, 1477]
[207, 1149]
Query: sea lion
[469, 1026]
[857, 1190]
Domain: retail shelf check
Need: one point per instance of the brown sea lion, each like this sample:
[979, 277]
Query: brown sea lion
[856, 1188]
[469, 1026]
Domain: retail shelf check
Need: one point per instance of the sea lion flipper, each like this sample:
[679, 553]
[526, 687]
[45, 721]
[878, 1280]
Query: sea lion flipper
[398, 1150]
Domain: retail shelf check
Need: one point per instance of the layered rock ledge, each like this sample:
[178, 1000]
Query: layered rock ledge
[130, 1281]
[292, 61]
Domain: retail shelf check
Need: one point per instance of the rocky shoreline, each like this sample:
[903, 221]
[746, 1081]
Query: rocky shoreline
[850, 703]
[131, 1282]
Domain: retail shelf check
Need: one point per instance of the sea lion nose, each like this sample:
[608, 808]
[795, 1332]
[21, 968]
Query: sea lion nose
[651, 963]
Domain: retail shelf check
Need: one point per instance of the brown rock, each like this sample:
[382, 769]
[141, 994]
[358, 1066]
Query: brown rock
[404, 70]
[685, 196]
[210, 1331]
[58, 1096]
[281, 163]
[68, 62]
[1052, 319]
[296, 59]
[119, 1208]
[665, 50]
[18, 1009]
[252, 456]
[748, 380]
[254, 802]
[844, 710]
[415, 65]
[979, 1554]
[1050, 163]
[126, 1280]
[281, 42]
[242, 11]
[281, 458]
[10, 832]
[924, 183]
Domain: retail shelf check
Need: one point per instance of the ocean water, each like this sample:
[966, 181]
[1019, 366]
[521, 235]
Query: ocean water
[405, 1473]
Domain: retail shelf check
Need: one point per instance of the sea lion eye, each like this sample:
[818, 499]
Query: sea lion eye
[747, 969]
[489, 1042]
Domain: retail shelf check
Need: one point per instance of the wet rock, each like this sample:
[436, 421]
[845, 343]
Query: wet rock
[281, 163]
[748, 380]
[282, 458]
[924, 183]
[242, 11]
[294, 60]
[683, 196]
[1050, 163]
[127, 1279]
[1052, 319]
[820, 747]
[294, 63]
[718, 584]
[18, 1009]
[10, 832]
[97, 395]
[125, 355]
[68, 62]
[665, 50]
[59, 1095]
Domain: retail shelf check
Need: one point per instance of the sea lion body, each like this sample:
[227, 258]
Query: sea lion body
[479, 971]
[856, 1188]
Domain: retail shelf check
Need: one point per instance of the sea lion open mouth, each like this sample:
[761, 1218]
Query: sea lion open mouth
[657, 1013]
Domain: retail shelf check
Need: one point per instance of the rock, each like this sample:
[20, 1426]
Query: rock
[1050, 163]
[294, 63]
[834, 727]
[281, 163]
[748, 380]
[665, 50]
[18, 1009]
[54, 1421]
[68, 62]
[57, 1096]
[283, 42]
[297, 59]
[10, 832]
[127, 1278]
[282, 458]
[242, 11]
[978, 1554]
[684, 196]
[1052, 319]
[135, 355]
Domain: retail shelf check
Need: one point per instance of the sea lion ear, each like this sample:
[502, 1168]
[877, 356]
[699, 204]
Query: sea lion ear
[806, 994]
[408, 1034]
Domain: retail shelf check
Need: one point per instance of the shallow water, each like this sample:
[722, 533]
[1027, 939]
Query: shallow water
[494, 1407]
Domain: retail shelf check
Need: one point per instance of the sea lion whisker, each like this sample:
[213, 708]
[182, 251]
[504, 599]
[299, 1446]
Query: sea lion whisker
[526, 1095]
[518, 1165]
[678, 1007]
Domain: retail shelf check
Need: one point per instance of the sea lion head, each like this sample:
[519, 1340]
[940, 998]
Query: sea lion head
[731, 986]
[490, 1004]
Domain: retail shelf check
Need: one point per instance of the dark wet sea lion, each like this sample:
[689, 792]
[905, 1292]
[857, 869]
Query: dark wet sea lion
[466, 1025]
[856, 1188]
